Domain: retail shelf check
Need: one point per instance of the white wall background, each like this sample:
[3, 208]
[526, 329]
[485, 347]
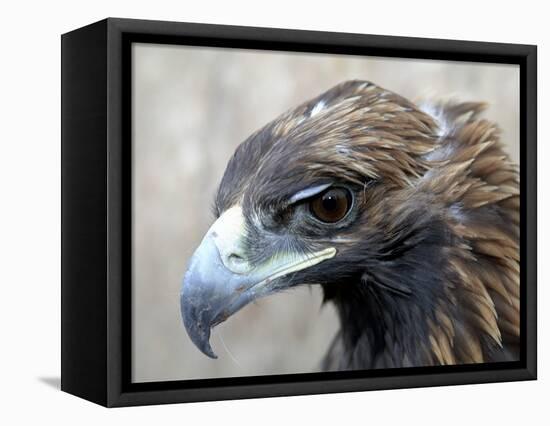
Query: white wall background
[30, 174]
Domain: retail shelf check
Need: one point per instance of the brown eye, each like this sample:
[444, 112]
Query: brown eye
[332, 205]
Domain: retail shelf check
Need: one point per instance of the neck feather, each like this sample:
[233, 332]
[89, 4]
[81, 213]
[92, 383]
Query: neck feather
[439, 321]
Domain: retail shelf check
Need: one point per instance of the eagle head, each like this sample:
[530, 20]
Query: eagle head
[374, 198]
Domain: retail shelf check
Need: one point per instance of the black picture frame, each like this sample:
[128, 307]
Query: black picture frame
[96, 207]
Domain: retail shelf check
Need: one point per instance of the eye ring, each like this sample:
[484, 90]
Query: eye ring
[332, 205]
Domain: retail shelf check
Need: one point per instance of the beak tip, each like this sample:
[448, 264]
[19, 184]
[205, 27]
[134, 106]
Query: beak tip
[203, 344]
[210, 353]
[198, 329]
[201, 338]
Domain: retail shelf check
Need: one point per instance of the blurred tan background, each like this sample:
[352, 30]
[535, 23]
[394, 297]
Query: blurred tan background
[191, 109]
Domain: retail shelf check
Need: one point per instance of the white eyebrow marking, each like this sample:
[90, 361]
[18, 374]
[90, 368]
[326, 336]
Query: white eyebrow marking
[438, 115]
[309, 192]
[342, 149]
[317, 108]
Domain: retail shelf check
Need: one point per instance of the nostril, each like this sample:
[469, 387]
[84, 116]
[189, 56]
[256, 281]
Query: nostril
[236, 263]
[235, 258]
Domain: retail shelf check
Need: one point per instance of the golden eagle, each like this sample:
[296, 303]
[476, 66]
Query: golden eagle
[407, 216]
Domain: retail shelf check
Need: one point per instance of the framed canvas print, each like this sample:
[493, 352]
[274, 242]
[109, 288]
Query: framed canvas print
[252, 212]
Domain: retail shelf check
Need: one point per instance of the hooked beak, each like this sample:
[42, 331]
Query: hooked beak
[220, 280]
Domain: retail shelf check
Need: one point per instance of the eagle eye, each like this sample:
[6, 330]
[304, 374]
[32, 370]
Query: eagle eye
[332, 205]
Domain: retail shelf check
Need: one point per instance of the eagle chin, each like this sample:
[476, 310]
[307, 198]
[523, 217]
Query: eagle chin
[407, 216]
